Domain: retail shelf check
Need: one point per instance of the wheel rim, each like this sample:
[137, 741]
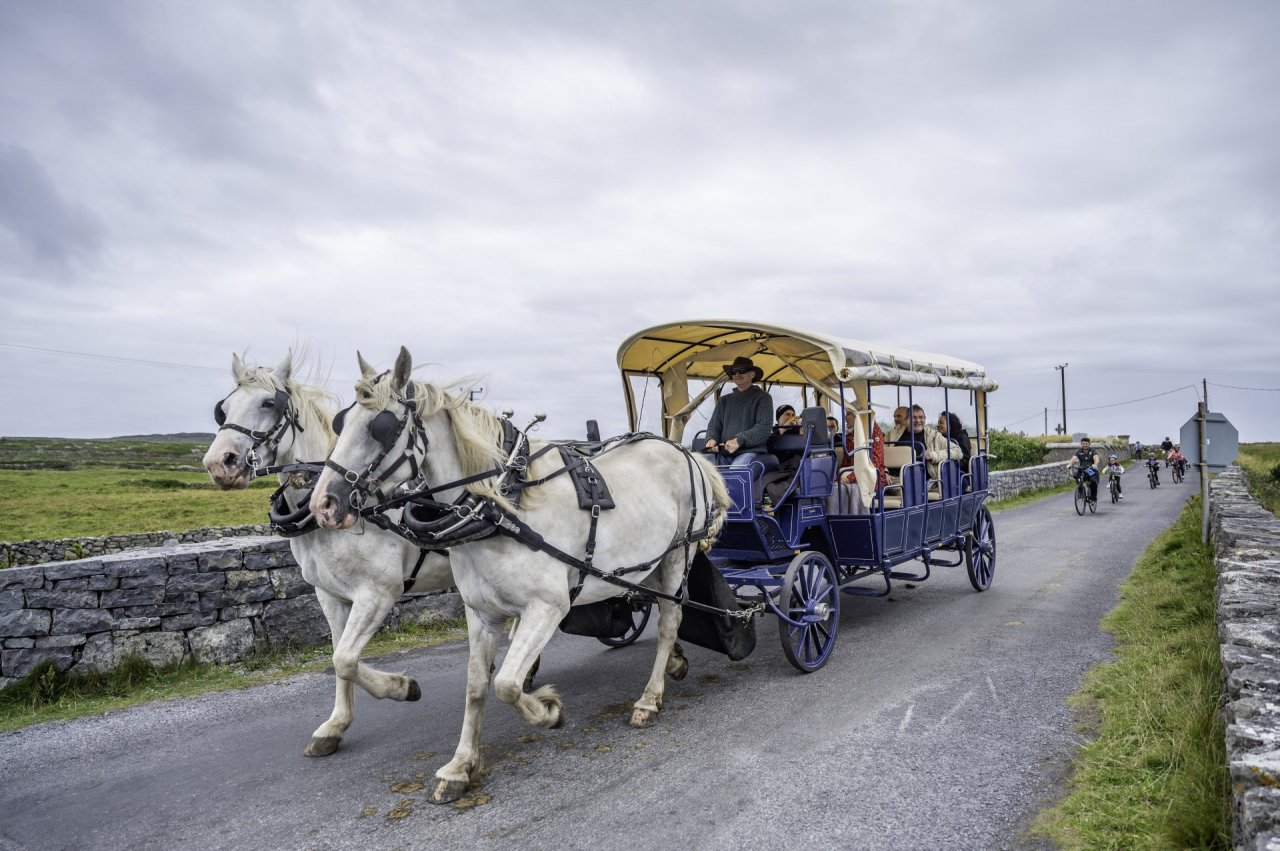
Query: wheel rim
[1079, 500]
[639, 620]
[810, 595]
[981, 562]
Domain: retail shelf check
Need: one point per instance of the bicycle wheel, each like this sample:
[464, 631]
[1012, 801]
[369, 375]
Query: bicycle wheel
[1114, 487]
[1082, 496]
[1151, 480]
[1093, 505]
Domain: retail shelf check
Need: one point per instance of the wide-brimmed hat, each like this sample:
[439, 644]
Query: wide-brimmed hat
[740, 363]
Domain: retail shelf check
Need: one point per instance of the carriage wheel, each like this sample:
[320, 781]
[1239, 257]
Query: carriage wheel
[1082, 497]
[980, 551]
[639, 619]
[811, 595]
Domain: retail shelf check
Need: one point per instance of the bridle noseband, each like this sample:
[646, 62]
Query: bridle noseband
[287, 420]
[366, 485]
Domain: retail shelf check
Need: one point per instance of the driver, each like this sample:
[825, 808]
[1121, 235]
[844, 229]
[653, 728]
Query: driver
[742, 420]
[1087, 462]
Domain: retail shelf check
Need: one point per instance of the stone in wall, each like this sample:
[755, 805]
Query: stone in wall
[223, 643]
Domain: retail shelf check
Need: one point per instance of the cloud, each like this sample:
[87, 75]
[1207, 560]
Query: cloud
[45, 231]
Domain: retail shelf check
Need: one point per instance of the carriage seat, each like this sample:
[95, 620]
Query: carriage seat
[805, 475]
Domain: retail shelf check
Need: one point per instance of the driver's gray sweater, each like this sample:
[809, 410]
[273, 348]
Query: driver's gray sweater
[744, 414]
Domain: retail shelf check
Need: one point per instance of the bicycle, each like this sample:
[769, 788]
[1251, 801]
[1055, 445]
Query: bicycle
[1179, 471]
[1153, 474]
[1082, 498]
[1113, 486]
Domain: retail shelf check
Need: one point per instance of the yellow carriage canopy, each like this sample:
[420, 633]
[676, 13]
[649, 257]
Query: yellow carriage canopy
[697, 349]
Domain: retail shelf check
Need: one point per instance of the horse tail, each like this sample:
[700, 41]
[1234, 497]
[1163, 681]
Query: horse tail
[720, 501]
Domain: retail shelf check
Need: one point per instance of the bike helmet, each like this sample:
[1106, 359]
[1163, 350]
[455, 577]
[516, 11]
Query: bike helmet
[1111, 457]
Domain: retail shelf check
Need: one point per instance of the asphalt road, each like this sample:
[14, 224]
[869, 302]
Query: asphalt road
[940, 722]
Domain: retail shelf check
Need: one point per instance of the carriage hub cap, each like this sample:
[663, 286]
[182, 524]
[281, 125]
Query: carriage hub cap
[822, 611]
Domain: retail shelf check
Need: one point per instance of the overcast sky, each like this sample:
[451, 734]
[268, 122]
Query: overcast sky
[510, 189]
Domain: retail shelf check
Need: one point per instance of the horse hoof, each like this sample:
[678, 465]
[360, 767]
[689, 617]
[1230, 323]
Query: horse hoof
[677, 667]
[322, 745]
[643, 717]
[559, 722]
[415, 693]
[448, 791]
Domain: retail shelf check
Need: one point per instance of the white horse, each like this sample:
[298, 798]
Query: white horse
[663, 494]
[273, 420]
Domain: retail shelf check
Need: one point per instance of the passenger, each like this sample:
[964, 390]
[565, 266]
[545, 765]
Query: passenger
[929, 445]
[950, 427]
[833, 430]
[877, 458]
[786, 421]
[740, 423]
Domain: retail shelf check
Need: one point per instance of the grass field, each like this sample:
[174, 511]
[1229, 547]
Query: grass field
[55, 488]
[45, 504]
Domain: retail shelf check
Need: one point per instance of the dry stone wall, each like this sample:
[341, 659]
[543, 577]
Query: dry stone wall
[13, 553]
[214, 601]
[1246, 543]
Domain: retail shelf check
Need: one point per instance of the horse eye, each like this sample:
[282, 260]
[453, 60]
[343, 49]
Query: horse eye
[268, 403]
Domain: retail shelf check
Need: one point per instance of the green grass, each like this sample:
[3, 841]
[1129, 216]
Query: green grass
[46, 695]
[1154, 773]
[94, 501]
[1028, 497]
[1261, 463]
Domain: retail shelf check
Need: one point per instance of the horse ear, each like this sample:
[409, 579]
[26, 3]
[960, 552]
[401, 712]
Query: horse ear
[284, 369]
[237, 367]
[365, 370]
[404, 367]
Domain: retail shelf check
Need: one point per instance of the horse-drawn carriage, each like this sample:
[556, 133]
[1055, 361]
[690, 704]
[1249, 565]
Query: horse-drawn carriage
[795, 554]
[532, 531]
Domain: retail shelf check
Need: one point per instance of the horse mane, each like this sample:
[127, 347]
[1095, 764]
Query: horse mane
[477, 432]
[315, 406]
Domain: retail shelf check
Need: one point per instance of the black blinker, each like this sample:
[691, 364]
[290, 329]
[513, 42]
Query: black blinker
[219, 415]
[341, 418]
[385, 428]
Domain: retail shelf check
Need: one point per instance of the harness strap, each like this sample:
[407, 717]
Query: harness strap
[413, 575]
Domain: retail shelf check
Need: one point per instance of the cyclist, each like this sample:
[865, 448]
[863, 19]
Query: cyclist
[1086, 462]
[1177, 459]
[1153, 465]
[1165, 446]
[1115, 471]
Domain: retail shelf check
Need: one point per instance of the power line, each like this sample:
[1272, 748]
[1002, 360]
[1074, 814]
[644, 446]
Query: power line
[89, 356]
[1258, 389]
[1143, 399]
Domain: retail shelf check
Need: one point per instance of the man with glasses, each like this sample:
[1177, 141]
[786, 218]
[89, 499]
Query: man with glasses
[742, 420]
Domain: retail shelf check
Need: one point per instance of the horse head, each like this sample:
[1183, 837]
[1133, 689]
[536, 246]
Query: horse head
[258, 423]
[383, 422]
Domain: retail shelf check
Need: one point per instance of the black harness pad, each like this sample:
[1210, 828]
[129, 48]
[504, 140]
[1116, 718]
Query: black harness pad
[518, 477]
[587, 481]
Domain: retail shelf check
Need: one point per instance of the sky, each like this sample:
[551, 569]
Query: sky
[511, 189]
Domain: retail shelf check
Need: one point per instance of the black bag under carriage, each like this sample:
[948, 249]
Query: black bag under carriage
[724, 633]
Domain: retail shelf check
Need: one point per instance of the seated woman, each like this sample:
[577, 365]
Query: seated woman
[949, 427]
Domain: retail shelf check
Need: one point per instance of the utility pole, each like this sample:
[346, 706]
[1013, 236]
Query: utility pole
[1062, 370]
[1046, 422]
